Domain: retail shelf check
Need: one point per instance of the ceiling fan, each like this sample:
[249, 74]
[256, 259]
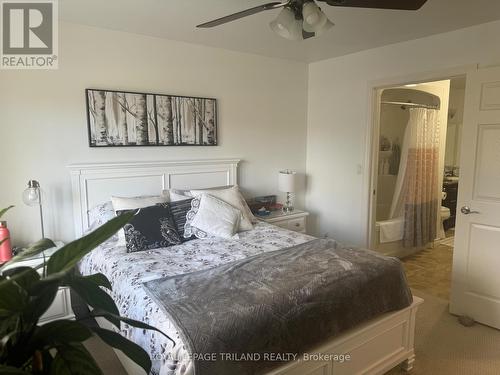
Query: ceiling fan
[303, 19]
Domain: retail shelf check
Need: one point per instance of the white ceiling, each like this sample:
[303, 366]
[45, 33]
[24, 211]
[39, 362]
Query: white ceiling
[356, 29]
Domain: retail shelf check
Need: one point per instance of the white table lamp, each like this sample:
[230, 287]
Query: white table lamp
[32, 196]
[287, 184]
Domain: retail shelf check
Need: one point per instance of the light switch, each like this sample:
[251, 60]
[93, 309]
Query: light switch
[359, 168]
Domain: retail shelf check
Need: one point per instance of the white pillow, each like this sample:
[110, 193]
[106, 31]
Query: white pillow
[175, 195]
[100, 215]
[132, 203]
[216, 218]
[233, 197]
[181, 194]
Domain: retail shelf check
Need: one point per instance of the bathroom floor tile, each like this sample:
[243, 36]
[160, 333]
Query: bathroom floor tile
[430, 270]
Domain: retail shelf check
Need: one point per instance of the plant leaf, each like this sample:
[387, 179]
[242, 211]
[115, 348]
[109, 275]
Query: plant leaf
[9, 370]
[23, 276]
[132, 322]
[12, 296]
[31, 251]
[4, 210]
[74, 360]
[17, 278]
[40, 301]
[61, 332]
[99, 279]
[67, 257]
[8, 329]
[131, 350]
[93, 295]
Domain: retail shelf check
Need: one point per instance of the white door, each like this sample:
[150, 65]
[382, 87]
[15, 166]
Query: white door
[476, 258]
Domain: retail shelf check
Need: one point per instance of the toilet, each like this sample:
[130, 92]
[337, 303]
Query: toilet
[445, 215]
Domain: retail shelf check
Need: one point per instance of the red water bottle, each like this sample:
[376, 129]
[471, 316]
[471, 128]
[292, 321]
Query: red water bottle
[5, 246]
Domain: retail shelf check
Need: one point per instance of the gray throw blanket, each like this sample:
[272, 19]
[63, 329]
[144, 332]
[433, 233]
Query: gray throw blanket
[235, 316]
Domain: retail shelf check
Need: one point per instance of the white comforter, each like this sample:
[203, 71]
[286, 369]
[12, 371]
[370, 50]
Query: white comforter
[127, 272]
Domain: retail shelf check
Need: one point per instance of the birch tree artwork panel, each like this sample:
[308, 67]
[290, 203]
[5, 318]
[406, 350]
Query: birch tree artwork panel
[117, 118]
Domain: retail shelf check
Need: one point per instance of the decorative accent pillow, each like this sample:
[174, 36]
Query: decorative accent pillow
[190, 231]
[151, 228]
[233, 197]
[100, 215]
[215, 217]
[179, 210]
[133, 203]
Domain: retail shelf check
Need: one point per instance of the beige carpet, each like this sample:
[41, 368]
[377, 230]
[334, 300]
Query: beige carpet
[443, 346]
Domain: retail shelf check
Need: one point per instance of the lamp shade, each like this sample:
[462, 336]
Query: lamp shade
[287, 181]
[287, 26]
[327, 26]
[32, 195]
[315, 20]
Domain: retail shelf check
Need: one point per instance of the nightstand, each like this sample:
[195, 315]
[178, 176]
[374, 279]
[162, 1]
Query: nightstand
[295, 220]
[61, 307]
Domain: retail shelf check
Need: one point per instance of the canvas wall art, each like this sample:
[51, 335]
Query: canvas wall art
[118, 118]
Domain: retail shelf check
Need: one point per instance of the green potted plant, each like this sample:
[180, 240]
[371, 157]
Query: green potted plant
[26, 347]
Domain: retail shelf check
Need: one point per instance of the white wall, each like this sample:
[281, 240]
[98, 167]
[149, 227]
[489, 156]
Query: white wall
[454, 135]
[262, 115]
[339, 114]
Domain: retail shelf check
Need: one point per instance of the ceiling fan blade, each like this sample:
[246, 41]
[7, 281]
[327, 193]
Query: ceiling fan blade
[244, 13]
[379, 4]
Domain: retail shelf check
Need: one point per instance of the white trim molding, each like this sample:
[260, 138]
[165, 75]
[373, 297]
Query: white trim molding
[372, 131]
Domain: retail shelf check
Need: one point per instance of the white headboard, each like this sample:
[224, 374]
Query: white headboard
[96, 183]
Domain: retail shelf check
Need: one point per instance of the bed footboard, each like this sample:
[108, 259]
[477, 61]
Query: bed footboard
[371, 348]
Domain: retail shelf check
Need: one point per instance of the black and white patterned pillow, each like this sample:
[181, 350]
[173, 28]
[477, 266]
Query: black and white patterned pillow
[179, 211]
[189, 230]
[151, 228]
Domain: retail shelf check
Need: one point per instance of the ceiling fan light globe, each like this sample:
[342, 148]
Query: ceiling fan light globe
[327, 26]
[319, 27]
[279, 29]
[312, 14]
[312, 18]
[286, 26]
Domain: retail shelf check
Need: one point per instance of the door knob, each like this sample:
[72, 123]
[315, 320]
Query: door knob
[467, 211]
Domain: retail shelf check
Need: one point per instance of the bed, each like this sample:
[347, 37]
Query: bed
[377, 345]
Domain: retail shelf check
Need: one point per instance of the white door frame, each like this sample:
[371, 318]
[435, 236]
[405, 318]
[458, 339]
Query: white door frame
[369, 202]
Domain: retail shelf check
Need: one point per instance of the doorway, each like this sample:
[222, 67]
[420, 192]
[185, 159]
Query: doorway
[416, 177]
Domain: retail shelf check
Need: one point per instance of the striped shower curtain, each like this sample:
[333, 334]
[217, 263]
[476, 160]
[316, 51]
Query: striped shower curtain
[417, 195]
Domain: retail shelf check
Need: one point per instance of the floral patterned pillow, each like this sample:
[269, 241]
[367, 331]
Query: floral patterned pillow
[151, 228]
[100, 215]
[189, 230]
